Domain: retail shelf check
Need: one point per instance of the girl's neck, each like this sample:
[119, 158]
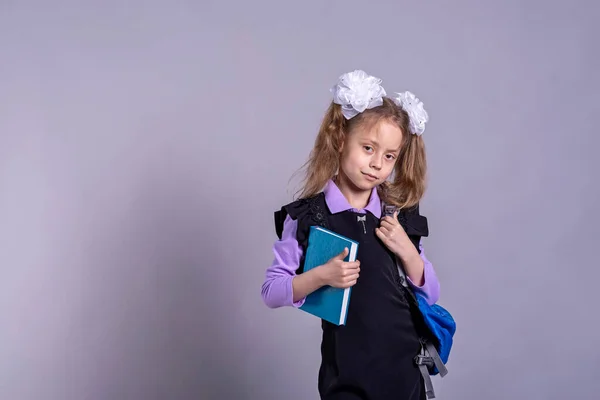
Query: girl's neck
[356, 197]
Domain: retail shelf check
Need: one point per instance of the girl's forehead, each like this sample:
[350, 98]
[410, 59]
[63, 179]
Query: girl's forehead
[383, 133]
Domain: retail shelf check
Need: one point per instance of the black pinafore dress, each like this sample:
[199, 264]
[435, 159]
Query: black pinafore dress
[372, 356]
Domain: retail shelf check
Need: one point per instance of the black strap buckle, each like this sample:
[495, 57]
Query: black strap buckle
[424, 360]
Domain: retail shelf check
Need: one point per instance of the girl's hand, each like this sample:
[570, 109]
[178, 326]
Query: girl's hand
[338, 273]
[395, 238]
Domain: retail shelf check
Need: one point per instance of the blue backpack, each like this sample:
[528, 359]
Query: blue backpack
[436, 323]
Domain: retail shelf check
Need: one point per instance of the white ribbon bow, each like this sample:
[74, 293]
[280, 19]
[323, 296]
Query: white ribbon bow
[415, 110]
[357, 91]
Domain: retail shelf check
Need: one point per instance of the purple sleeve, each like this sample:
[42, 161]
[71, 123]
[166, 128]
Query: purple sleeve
[431, 286]
[277, 287]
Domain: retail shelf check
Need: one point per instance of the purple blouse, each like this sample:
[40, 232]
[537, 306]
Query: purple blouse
[277, 286]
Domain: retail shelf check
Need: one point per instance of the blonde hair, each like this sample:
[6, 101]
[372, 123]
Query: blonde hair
[409, 175]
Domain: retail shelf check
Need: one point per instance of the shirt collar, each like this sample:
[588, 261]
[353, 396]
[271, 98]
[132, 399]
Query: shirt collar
[336, 202]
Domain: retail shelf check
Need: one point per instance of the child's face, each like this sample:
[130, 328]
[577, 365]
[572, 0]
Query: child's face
[369, 156]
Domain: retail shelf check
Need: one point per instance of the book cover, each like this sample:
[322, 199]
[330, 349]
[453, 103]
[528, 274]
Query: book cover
[327, 302]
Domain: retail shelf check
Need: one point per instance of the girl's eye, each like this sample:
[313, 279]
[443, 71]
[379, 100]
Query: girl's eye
[391, 156]
[368, 148]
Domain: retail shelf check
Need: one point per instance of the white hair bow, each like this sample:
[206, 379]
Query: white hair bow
[357, 91]
[415, 110]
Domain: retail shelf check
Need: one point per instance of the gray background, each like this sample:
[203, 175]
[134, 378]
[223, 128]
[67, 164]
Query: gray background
[138, 144]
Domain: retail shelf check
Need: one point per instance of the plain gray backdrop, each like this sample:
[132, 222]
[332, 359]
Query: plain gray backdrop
[144, 146]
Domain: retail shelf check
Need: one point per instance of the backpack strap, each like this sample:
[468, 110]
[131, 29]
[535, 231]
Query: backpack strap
[427, 358]
[415, 226]
[307, 212]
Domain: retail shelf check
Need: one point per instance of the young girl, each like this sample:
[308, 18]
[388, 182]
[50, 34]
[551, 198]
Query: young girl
[368, 151]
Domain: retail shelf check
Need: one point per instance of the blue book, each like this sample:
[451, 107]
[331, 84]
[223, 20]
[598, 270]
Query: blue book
[327, 302]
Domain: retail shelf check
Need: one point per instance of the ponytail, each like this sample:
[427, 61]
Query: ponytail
[323, 162]
[409, 179]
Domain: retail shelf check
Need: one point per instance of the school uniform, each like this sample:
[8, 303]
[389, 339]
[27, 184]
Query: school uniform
[372, 356]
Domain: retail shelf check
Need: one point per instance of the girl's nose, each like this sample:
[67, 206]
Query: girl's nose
[376, 163]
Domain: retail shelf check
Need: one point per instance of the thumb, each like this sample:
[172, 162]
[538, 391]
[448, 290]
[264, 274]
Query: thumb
[343, 254]
[396, 215]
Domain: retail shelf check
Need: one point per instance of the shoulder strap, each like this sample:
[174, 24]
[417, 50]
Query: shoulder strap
[310, 209]
[307, 212]
[415, 226]
[413, 222]
[280, 216]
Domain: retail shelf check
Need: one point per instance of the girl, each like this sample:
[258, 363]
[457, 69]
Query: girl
[368, 151]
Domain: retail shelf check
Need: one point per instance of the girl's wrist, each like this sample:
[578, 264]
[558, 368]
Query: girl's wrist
[415, 268]
[319, 275]
[409, 257]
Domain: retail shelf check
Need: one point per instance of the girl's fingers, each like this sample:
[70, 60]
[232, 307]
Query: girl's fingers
[391, 220]
[388, 232]
[352, 277]
[387, 224]
[381, 235]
